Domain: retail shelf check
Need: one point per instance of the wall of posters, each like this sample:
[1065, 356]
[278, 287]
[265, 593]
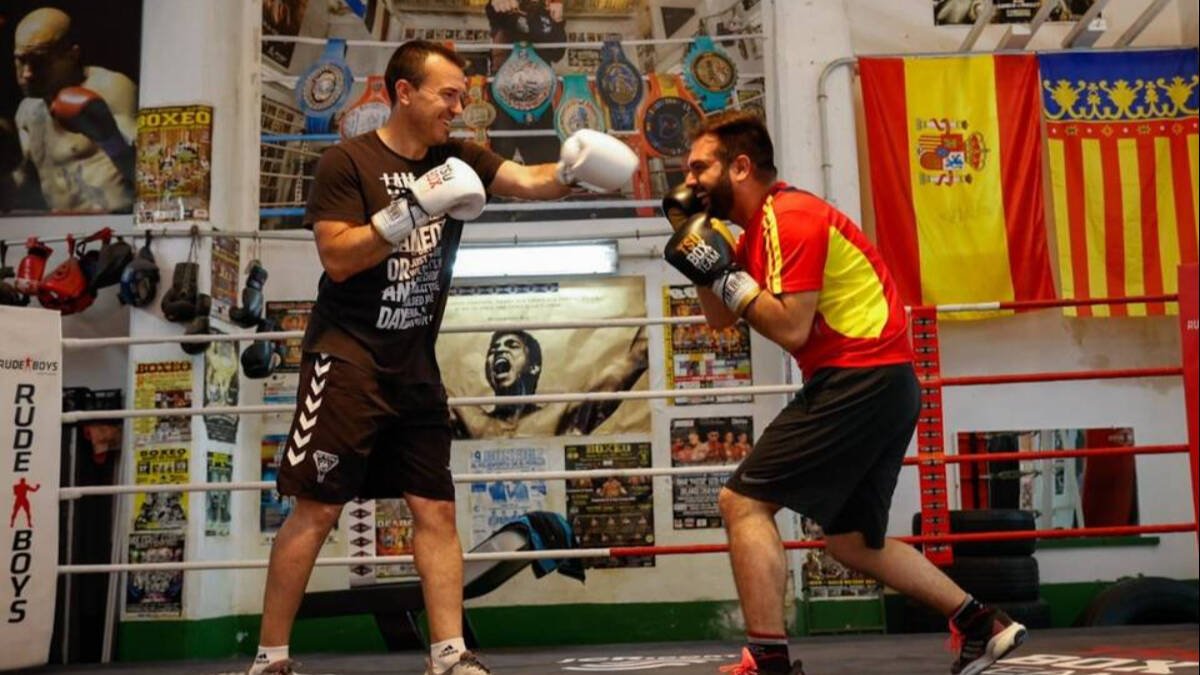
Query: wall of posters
[546, 361]
[161, 456]
[60, 165]
[216, 503]
[157, 595]
[613, 511]
[174, 164]
[711, 440]
[698, 357]
[950, 12]
[290, 315]
[496, 503]
[221, 389]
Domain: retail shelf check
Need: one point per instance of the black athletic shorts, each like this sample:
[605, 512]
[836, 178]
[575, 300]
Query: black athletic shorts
[358, 434]
[834, 453]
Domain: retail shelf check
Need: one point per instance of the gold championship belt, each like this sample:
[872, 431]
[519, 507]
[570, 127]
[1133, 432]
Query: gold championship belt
[478, 114]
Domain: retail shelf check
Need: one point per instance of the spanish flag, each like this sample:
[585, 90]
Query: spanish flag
[956, 177]
[1122, 131]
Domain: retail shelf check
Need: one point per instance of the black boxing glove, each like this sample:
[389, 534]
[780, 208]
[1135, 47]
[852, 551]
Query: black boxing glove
[179, 302]
[702, 249]
[262, 357]
[680, 204]
[198, 325]
[110, 264]
[139, 279]
[251, 310]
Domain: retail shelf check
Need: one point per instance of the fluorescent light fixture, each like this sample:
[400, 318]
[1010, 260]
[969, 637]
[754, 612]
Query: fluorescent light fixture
[536, 260]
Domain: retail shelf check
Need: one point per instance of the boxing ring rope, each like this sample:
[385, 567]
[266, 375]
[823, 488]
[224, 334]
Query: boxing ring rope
[299, 235]
[631, 551]
[94, 343]
[84, 415]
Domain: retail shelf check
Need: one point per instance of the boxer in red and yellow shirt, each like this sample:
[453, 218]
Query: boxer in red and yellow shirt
[804, 276]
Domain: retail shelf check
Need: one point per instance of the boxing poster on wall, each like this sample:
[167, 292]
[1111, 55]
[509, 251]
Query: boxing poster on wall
[225, 264]
[393, 536]
[216, 508]
[68, 108]
[824, 577]
[158, 385]
[951, 12]
[517, 362]
[281, 17]
[273, 507]
[695, 442]
[496, 503]
[158, 594]
[612, 511]
[698, 357]
[221, 389]
[174, 164]
[290, 315]
[160, 465]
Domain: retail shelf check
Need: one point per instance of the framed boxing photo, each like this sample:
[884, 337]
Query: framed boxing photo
[93, 113]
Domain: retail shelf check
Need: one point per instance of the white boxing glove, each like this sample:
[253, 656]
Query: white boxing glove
[452, 189]
[596, 161]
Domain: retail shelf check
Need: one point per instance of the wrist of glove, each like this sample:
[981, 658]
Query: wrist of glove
[737, 289]
[397, 220]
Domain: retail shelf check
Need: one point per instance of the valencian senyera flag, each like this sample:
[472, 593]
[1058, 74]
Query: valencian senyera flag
[1121, 131]
[956, 178]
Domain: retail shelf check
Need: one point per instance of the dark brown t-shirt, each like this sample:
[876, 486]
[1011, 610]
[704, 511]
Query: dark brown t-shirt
[386, 318]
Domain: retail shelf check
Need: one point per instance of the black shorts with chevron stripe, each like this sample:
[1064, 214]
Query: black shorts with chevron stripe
[356, 433]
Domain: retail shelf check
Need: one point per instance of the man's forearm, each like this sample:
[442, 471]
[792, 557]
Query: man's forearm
[715, 312]
[352, 250]
[544, 183]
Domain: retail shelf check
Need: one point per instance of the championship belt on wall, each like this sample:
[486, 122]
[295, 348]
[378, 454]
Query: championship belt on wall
[478, 114]
[620, 86]
[576, 108]
[369, 112]
[524, 86]
[668, 116]
[710, 73]
[324, 87]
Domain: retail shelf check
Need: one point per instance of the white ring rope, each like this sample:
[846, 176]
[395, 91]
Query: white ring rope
[556, 554]
[83, 415]
[67, 493]
[628, 322]
[302, 235]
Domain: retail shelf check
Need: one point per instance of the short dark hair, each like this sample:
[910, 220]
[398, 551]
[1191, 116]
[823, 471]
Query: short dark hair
[408, 63]
[741, 132]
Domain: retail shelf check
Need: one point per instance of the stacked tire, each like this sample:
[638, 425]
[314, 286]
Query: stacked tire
[1003, 574]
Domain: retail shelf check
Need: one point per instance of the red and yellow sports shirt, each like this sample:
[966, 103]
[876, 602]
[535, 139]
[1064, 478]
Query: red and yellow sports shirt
[798, 242]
